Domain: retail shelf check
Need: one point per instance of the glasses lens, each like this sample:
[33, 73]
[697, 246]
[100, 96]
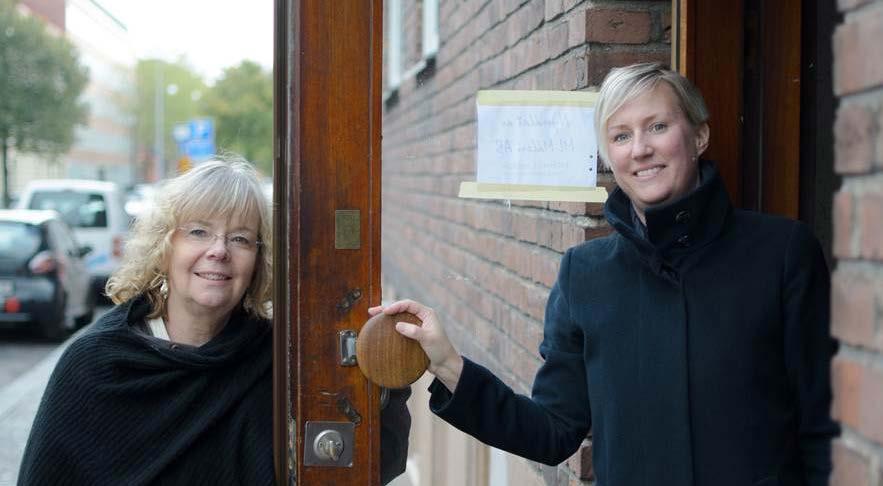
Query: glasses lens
[204, 236]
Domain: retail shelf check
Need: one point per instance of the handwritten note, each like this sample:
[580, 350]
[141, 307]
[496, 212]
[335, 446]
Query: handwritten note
[544, 138]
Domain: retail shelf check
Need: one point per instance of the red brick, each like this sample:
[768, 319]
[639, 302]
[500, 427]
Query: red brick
[613, 26]
[858, 60]
[879, 154]
[544, 267]
[854, 133]
[858, 393]
[853, 309]
[851, 468]
[581, 462]
[871, 226]
[557, 37]
[576, 28]
[843, 225]
[601, 61]
[554, 8]
[665, 25]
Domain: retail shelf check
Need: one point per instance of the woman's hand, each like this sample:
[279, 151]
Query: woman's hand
[444, 361]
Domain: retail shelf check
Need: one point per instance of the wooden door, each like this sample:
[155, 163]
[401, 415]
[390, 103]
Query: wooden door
[327, 223]
[746, 56]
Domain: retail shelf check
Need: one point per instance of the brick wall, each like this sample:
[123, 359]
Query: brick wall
[857, 284]
[487, 266]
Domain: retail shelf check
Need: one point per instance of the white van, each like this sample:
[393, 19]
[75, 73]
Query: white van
[94, 210]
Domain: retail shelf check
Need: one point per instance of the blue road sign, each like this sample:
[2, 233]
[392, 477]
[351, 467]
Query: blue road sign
[196, 138]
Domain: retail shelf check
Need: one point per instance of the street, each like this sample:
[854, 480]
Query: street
[19, 352]
[25, 365]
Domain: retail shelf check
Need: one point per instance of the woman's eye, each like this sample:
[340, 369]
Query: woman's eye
[658, 127]
[240, 240]
[620, 137]
[198, 232]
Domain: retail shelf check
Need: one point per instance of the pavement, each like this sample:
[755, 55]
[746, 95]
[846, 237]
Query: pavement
[19, 400]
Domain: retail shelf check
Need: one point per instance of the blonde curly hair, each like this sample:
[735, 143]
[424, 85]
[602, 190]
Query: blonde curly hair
[221, 187]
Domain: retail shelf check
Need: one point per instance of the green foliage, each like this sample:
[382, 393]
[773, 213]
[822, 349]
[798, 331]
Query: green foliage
[182, 91]
[241, 103]
[40, 84]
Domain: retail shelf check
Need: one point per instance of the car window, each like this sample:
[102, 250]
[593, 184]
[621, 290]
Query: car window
[18, 241]
[79, 209]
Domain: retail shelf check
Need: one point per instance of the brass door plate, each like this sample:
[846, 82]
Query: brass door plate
[347, 229]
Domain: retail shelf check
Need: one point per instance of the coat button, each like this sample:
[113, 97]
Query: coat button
[685, 240]
[682, 217]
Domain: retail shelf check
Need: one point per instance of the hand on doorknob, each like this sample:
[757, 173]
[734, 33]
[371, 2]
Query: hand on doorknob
[444, 361]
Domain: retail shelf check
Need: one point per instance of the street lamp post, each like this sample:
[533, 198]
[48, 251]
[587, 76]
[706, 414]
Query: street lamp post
[159, 163]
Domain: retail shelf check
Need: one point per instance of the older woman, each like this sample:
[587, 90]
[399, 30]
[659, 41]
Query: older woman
[693, 342]
[173, 385]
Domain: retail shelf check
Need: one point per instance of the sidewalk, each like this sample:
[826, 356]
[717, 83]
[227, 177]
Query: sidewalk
[19, 401]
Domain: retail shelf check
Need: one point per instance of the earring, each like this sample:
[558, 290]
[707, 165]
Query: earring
[164, 288]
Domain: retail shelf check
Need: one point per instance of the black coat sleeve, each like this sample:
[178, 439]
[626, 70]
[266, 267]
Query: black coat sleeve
[809, 349]
[549, 426]
[395, 425]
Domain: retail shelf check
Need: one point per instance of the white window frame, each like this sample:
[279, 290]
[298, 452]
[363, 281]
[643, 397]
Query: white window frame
[430, 28]
[395, 72]
[394, 52]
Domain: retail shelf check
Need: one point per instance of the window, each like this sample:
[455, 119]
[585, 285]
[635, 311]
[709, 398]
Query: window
[412, 40]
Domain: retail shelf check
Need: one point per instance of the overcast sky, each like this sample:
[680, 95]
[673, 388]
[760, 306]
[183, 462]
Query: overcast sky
[211, 34]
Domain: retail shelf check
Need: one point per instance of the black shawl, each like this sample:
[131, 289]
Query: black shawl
[122, 408]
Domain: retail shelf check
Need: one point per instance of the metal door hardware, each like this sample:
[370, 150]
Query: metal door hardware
[329, 444]
[347, 229]
[347, 347]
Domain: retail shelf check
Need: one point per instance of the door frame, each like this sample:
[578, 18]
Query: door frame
[327, 88]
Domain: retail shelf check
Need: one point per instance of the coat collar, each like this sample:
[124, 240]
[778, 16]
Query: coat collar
[678, 226]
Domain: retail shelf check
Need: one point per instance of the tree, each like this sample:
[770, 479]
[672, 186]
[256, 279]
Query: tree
[41, 80]
[182, 91]
[241, 103]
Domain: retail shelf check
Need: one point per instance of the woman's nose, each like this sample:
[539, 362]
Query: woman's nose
[640, 147]
[218, 247]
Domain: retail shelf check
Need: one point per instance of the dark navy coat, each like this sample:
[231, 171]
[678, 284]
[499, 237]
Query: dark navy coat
[697, 351]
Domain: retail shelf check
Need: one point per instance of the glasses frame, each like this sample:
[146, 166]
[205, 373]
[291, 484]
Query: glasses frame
[230, 246]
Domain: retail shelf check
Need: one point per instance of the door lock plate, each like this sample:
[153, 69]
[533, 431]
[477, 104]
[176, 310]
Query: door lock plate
[329, 444]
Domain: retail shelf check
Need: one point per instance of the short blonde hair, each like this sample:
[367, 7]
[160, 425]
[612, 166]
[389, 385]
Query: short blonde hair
[624, 84]
[220, 187]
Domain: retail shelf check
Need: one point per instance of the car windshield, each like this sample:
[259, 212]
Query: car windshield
[79, 209]
[18, 242]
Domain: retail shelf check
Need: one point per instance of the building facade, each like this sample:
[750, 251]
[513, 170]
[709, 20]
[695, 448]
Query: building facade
[857, 283]
[103, 147]
[795, 89]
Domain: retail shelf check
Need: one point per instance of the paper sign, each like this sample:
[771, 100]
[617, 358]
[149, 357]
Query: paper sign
[542, 138]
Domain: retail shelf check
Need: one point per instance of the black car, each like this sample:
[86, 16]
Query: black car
[44, 283]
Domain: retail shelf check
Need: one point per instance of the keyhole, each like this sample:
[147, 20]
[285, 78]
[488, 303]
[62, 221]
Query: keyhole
[328, 445]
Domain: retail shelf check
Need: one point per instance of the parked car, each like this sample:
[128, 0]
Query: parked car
[139, 199]
[95, 211]
[43, 278]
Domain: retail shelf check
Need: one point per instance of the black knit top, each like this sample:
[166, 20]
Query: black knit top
[123, 409]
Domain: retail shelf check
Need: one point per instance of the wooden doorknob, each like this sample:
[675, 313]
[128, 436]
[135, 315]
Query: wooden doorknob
[386, 357]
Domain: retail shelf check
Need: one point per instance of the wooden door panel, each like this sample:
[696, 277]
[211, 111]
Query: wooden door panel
[710, 38]
[781, 107]
[744, 56]
[328, 131]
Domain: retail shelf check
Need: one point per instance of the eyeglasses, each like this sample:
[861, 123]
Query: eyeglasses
[203, 237]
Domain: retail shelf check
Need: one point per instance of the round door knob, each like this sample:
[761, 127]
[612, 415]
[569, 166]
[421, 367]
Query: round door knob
[386, 357]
